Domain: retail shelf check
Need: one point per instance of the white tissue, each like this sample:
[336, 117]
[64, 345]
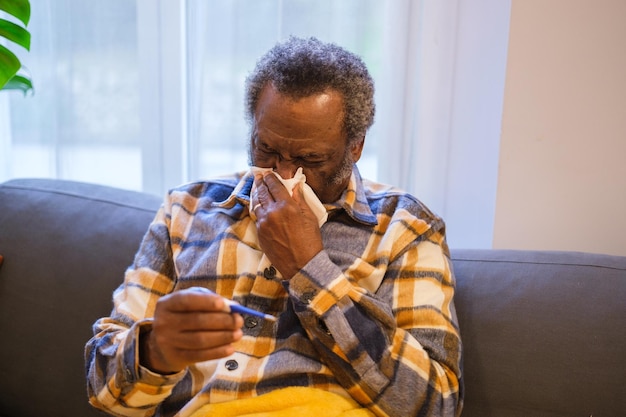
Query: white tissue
[310, 198]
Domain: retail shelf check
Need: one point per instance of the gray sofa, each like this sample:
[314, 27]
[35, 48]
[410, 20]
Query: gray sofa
[544, 332]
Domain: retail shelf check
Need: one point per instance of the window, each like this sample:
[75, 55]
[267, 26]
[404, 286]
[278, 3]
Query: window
[82, 121]
[148, 94]
[221, 54]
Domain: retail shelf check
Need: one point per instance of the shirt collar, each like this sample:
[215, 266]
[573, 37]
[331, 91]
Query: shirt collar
[354, 201]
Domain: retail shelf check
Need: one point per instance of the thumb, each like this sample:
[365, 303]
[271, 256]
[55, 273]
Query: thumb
[298, 196]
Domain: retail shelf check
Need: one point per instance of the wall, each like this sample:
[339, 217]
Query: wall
[562, 175]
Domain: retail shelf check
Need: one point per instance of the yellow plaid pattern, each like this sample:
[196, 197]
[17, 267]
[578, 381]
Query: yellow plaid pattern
[370, 317]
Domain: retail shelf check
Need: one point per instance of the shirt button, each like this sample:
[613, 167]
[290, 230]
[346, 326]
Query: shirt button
[323, 327]
[307, 297]
[231, 364]
[251, 322]
[269, 272]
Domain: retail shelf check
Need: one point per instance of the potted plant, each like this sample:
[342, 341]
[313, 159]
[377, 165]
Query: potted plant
[10, 76]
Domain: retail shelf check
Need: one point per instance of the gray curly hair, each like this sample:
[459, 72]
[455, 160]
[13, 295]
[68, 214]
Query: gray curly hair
[302, 67]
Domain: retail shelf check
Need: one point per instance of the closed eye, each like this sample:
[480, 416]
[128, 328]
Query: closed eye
[310, 161]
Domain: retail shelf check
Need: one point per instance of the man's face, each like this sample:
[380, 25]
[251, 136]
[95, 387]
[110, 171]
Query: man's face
[307, 133]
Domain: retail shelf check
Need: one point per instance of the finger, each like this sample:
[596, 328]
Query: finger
[188, 349]
[254, 197]
[275, 188]
[263, 195]
[300, 199]
[196, 321]
[190, 356]
[192, 300]
[204, 340]
[298, 196]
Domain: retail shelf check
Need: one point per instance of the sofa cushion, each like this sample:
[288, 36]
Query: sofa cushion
[65, 247]
[543, 333]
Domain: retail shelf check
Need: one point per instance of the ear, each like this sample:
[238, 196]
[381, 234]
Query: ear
[356, 148]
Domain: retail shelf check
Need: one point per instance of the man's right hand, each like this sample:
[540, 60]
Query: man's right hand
[189, 326]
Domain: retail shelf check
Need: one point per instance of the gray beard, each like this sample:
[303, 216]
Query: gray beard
[344, 171]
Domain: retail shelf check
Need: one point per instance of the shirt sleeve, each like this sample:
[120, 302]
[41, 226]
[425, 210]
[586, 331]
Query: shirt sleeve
[398, 350]
[116, 381]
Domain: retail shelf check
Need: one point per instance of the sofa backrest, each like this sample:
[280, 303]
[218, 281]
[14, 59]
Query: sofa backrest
[65, 246]
[544, 333]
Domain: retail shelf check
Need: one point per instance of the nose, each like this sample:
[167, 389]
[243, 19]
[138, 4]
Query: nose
[286, 169]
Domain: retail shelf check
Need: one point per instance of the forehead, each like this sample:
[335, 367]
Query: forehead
[317, 118]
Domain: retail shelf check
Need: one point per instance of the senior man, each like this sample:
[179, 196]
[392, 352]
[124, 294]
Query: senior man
[353, 277]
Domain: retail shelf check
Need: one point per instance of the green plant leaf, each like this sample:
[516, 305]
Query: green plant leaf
[19, 82]
[19, 9]
[15, 33]
[9, 65]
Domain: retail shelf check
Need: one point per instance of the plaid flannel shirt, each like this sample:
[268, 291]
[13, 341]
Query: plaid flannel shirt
[371, 316]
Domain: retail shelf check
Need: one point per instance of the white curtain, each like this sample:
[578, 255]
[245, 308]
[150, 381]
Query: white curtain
[82, 121]
[418, 77]
[147, 94]
[442, 107]
[225, 38]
